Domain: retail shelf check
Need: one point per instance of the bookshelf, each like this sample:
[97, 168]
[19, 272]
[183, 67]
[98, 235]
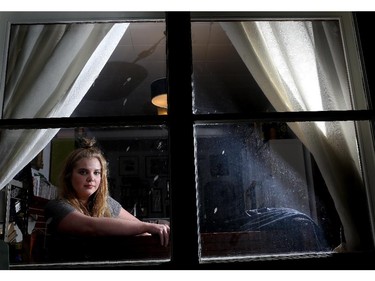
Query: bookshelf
[24, 226]
[15, 211]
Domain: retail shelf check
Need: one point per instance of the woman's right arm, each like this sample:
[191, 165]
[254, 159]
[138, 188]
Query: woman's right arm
[79, 224]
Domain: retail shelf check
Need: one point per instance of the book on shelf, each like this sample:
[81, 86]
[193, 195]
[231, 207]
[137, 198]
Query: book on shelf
[42, 187]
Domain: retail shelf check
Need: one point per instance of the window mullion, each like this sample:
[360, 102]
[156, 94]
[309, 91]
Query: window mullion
[183, 193]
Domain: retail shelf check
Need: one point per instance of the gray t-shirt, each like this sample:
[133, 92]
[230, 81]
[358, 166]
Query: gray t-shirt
[56, 210]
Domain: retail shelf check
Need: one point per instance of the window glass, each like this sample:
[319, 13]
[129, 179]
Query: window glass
[261, 190]
[260, 66]
[83, 69]
[262, 187]
[138, 178]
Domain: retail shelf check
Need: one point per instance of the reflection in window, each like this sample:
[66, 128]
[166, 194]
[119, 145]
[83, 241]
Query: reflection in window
[260, 191]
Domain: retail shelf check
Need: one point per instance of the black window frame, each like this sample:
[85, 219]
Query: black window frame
[180, 120]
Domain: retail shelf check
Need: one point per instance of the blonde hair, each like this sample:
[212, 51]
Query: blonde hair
[97, 205]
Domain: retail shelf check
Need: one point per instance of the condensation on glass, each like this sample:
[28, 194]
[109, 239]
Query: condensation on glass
[262, 192]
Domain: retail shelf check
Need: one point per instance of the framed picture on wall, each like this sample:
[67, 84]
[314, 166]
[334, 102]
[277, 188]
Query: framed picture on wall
[156, 166]
[128, 165]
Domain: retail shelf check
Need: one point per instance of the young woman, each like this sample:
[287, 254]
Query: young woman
[84, 206]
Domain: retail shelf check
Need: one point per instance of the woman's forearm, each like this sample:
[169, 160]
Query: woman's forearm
[117, 226]
[80, 224]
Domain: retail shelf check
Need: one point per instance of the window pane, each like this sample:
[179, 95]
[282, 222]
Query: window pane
[248, 66]
[138, 178]
[262, 191]
[83, 69]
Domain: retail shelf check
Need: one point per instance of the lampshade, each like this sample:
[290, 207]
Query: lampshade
[159, 93]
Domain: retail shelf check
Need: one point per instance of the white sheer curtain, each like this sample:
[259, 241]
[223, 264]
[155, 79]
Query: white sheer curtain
[300, 66]
[51, 68]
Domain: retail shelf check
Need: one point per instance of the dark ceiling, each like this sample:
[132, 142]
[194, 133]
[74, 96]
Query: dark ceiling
[221, 81]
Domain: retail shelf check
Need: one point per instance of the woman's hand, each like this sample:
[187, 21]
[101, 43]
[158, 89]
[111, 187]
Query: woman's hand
[163, 230]
[161, 227]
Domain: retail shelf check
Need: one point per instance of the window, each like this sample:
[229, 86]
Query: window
[85, 71]
[255, 178]
[247, 164]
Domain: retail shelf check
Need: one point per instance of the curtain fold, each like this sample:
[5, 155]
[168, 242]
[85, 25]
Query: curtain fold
[300, 66]
[51, 67]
